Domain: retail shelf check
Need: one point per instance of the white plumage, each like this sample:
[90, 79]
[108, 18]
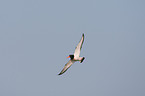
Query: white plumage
[75, 57]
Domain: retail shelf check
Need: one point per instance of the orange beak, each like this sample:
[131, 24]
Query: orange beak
[68, 57]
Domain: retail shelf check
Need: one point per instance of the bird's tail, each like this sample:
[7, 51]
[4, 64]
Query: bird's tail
[82, 60]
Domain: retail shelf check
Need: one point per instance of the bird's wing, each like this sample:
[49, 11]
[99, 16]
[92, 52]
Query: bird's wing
[67, 65]
[79, 46]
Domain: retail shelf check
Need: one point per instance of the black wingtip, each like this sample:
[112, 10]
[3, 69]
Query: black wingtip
[59, 74]
[83, 34]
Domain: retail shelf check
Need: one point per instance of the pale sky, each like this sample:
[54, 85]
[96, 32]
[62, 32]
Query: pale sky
[36, 36]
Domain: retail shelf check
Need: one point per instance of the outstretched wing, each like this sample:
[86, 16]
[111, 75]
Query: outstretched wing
[79, 46]
[67, 65]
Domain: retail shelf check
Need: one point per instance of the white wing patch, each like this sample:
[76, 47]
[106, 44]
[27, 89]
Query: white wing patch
[78, 48]
[67, 65]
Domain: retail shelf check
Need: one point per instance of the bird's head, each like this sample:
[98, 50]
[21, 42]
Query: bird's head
[71, 57]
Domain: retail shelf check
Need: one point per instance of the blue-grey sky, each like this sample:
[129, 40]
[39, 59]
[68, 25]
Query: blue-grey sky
[36, 36]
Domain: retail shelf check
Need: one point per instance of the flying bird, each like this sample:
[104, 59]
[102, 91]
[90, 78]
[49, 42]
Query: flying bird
[75, 57]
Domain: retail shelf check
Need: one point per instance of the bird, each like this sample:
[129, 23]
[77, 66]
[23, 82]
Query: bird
[75, 57]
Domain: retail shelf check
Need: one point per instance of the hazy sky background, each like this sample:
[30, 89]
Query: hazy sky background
[36, 36]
